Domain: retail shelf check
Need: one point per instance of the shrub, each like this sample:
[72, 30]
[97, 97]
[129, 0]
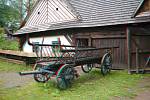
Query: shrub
[7, 44]
[1, 30]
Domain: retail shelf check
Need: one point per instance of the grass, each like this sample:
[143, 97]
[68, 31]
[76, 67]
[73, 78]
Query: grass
[92, 86]
[12, 67]
[9, 45]
[6, 44]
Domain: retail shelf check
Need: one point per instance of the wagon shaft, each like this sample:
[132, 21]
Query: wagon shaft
[30, 72]
[42, 71]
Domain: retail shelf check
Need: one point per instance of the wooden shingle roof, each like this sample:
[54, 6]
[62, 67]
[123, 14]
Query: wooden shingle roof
[92, 13]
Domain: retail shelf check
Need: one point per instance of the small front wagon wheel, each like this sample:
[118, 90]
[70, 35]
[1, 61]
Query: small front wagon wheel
[40, 77]
[65, 76]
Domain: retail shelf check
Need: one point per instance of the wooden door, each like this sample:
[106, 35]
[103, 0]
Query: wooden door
[119, 55]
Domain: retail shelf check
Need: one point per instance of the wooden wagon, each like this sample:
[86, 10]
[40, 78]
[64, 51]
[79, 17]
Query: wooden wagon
[60, 61]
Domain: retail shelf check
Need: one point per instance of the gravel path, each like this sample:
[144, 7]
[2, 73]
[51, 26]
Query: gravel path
[12, 79]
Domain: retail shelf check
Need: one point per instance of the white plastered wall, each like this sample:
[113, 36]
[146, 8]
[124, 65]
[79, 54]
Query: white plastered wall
[47, 40]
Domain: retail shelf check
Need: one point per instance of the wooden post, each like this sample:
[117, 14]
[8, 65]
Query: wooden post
[90, 42]
[129, 49]
[137, 60]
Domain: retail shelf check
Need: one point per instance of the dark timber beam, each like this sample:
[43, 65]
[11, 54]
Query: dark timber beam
[137, 60]
[128, 32]
[90, 42]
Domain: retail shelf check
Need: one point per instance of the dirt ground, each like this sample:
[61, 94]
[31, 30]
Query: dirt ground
[143, 88]
[12, 79]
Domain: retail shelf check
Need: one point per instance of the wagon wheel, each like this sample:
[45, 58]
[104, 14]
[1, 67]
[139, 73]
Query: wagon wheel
[87, 68]
[106, 64]
[65, 76]
[40, 77]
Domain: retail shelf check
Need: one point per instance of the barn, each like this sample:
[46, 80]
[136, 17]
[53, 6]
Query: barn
[97, 23]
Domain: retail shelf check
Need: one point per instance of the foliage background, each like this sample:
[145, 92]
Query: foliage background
[6, 44]
[9, 15]
[12, 14]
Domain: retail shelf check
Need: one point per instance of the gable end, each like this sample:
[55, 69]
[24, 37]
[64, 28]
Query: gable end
[52, 12]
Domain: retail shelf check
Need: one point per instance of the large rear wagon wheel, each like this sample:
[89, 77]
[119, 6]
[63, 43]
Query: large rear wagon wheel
[40, 77]
[65, 76]
[106, 64]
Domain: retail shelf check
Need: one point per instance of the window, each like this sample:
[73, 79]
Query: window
[82, 42]
[35, 47]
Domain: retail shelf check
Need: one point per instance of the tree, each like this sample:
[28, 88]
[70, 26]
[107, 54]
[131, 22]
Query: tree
[25, 9]
[13, 12]
[8, 15]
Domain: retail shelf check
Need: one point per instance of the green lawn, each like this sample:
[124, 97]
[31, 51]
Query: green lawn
[12, 67]
[6, 44]
[92, 86]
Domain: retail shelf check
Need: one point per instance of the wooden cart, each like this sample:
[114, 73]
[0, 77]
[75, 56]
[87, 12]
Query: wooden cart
[59, 61]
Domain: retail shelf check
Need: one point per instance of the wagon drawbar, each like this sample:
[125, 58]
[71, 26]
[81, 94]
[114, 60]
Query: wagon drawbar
[59, 61]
